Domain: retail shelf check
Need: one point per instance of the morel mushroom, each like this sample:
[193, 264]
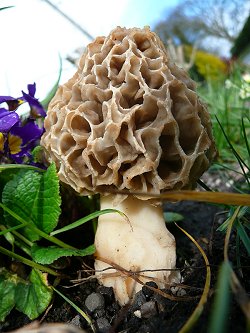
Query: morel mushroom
[129, 120]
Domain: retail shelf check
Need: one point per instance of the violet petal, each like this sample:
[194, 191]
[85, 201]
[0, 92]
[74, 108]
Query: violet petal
[7, 120]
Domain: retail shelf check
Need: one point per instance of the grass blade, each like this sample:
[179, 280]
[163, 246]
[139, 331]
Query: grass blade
[238, 157]
[221, 302]
[6, 7]
[199, 308]
[239, 292]
[35, 229]
[245, 136]
[203, 185]
[20, 166]
[231, 221]
[243, 236]
[213, 197]
[7, 230]
[82, 313]
[86, 219]
[225, 198]
[28, 262]
[222, 166]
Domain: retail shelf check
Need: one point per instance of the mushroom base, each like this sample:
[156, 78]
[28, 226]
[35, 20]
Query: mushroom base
[142, 245]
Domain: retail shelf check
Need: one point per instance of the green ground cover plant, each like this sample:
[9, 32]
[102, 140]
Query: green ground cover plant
[31, 206]
[228, 100]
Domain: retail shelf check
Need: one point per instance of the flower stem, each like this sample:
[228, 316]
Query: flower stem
[24, 239]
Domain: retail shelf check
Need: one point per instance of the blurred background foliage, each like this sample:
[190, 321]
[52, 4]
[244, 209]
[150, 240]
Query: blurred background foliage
[197, 34]
[208, 25]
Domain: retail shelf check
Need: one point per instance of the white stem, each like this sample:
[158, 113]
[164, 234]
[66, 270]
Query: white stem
[144, 244]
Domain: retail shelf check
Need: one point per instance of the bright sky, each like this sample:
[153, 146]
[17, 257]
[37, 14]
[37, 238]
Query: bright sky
[33, 35]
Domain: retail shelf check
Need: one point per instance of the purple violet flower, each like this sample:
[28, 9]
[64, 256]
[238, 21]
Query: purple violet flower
[22, 138]
[7, 120]
[13, 103]
[8, 117]
[17, 136]
[36, 109]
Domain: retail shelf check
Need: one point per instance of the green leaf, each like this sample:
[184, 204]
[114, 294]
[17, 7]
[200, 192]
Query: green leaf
[5, 177]
[47, 255]
[33, 298]
[7, 292]
[35, 198]
[51, 200]
[20, 195]
[171, 217]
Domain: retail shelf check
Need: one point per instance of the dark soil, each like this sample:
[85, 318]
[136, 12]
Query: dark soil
[158, 313]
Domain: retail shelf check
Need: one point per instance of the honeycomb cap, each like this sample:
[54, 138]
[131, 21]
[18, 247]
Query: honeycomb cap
[129, 119]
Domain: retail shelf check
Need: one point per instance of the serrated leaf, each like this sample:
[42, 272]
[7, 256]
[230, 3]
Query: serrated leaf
[47, 255]
[5, 176]
[50, 199]
[7, 293]
[19, 195]
[34, 197]
[33, 298]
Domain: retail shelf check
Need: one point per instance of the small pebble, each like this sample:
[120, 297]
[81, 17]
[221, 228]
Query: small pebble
[133, 322]
[149, 292]
[112, 309]
[103, 325]
[138, 301]
[99, 313]
[76, 321]
[137, 313]
[145, 328]
[178, 291]
[148, 309]
[94, 301]
[163, 304]
[108, 294]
